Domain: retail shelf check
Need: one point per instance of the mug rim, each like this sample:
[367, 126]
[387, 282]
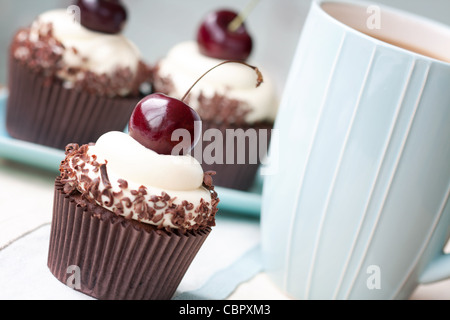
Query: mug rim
[317, 4]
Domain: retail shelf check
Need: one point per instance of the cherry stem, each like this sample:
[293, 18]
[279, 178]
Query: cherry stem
[259, 80]
[242, 16]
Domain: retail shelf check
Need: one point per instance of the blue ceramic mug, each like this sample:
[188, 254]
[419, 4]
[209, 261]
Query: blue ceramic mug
[359, 206]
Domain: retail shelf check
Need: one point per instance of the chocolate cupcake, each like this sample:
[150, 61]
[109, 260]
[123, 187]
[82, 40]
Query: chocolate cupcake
[128, 221]
[227, 102]
[68, 82]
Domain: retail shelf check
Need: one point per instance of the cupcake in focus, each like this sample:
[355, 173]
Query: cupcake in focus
[73, 80]
[226, 99]
[130, 218]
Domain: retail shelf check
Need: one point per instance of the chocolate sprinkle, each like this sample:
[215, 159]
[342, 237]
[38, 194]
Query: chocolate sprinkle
[104, 174]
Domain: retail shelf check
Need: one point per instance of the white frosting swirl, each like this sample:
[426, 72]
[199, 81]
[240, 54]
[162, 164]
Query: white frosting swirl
[178, 177]
[184, 64]
[98, 52]
[146, 167]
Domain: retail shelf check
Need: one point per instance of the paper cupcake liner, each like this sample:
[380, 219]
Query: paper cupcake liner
[116, 258]
[233, 175]
[51, 115]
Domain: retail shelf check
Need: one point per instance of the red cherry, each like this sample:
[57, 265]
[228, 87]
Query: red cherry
[216, 40]
[156, 117]
[107, 16]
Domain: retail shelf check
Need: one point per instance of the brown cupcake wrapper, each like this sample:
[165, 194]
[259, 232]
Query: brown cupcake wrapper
[116, 259]
[234, 176]
[49, 114]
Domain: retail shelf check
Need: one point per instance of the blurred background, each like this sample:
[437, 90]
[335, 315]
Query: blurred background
[156, 25]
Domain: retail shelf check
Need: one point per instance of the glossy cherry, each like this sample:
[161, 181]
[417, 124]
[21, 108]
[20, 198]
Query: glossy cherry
[155, 119]
[107, 16]
[216, 40]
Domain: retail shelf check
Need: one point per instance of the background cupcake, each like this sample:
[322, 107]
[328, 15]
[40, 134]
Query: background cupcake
[70, 81]
[131, 220]
[226, 99]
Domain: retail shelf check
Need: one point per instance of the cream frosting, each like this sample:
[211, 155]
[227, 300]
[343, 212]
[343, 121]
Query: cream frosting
[97, 52]
[184, 64]
[133, 172]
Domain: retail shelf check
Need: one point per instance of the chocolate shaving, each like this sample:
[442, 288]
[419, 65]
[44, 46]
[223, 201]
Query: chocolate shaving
[207, 178]
[104, 175]
[127, 201]
[123, 184]
[71, 148]
[69, 189]
[110, 202]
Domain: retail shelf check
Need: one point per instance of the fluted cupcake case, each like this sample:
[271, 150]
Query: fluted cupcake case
[117, 259]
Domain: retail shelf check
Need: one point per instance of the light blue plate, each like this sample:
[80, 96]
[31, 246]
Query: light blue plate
[246, 203]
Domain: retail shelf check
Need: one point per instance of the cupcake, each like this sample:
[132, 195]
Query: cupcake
[226, 100]
[128, 219]
[72, 81]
